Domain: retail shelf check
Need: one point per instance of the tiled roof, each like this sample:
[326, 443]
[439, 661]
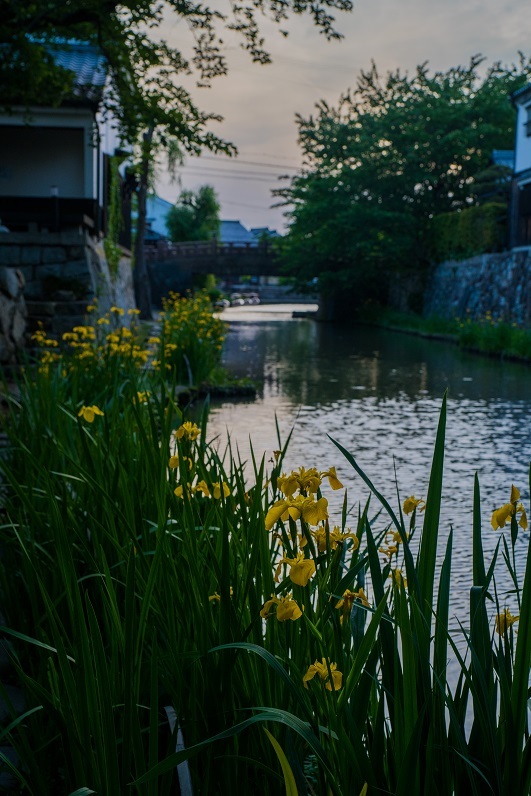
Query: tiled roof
[235, 232]
[86, 62]
[264, 232]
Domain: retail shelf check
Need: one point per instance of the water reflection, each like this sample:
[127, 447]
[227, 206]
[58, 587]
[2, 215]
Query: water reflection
[379, 394]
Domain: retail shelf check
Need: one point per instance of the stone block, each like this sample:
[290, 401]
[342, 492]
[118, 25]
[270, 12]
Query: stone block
[33, 289]
[7, 310]
[6, 349]
[65, 323]
[27, 272]
[53, 254]
[9, 255]
[73, 269]
[30, 255]
[75, 253]
[53, 269]
[18, 329]
[72, 308]
[72, 237]
[41, 308]
[10, 282]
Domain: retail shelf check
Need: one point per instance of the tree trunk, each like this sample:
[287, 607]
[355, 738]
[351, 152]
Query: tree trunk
[140, 272]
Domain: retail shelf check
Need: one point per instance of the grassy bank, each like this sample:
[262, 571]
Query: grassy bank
[174, 617]
[489, 336]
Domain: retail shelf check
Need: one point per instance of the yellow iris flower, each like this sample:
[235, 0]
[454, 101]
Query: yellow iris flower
[504, 621]
[215, 598]
[307, 482]
[397, 577]
[312, 511]
[179, 491]
[301, 569]
[287, 608]
[333, 480]
[288, 484]
[324, 670]
[411, 503]
[217, 487]
[215, 491]
[508, 510]
[188, 430]
[335, 536]
[350, 596]
[88, 413]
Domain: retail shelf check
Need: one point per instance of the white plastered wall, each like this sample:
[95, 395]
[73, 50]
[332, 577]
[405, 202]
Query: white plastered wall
[523, 140]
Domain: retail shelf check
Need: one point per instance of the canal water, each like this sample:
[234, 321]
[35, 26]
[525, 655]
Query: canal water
[379, 394]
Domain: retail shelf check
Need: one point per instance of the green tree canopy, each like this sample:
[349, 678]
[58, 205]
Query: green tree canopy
[395, 152]
[195, 216]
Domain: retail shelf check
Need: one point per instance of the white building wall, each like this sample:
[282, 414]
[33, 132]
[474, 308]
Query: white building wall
[523, 139]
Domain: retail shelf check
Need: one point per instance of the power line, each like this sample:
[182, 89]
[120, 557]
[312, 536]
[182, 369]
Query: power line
[237, 162]
[244, 204]
[266, 155]
[246, 173]
[218, 175]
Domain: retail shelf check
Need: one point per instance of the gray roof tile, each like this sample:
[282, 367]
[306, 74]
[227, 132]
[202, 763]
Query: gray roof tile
[86, 62]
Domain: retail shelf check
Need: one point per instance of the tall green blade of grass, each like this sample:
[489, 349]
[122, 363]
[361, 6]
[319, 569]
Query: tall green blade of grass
[478, 562]
[438, 752]
[427, 555]
[482, 738]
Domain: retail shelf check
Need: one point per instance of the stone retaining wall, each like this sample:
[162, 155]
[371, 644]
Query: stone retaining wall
[60, 273]
[495, 283]
[13, 313]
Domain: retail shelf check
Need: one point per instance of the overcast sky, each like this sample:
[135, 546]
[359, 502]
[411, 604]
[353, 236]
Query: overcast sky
[259, 103]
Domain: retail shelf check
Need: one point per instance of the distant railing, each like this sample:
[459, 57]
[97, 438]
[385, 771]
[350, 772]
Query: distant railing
[163, 250]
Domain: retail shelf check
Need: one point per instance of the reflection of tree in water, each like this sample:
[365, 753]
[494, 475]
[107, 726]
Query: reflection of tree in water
[315, 364]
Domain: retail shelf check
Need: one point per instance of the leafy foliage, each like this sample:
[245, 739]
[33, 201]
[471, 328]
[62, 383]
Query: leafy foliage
[395, 152]
[474, 230]
[195, 216]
